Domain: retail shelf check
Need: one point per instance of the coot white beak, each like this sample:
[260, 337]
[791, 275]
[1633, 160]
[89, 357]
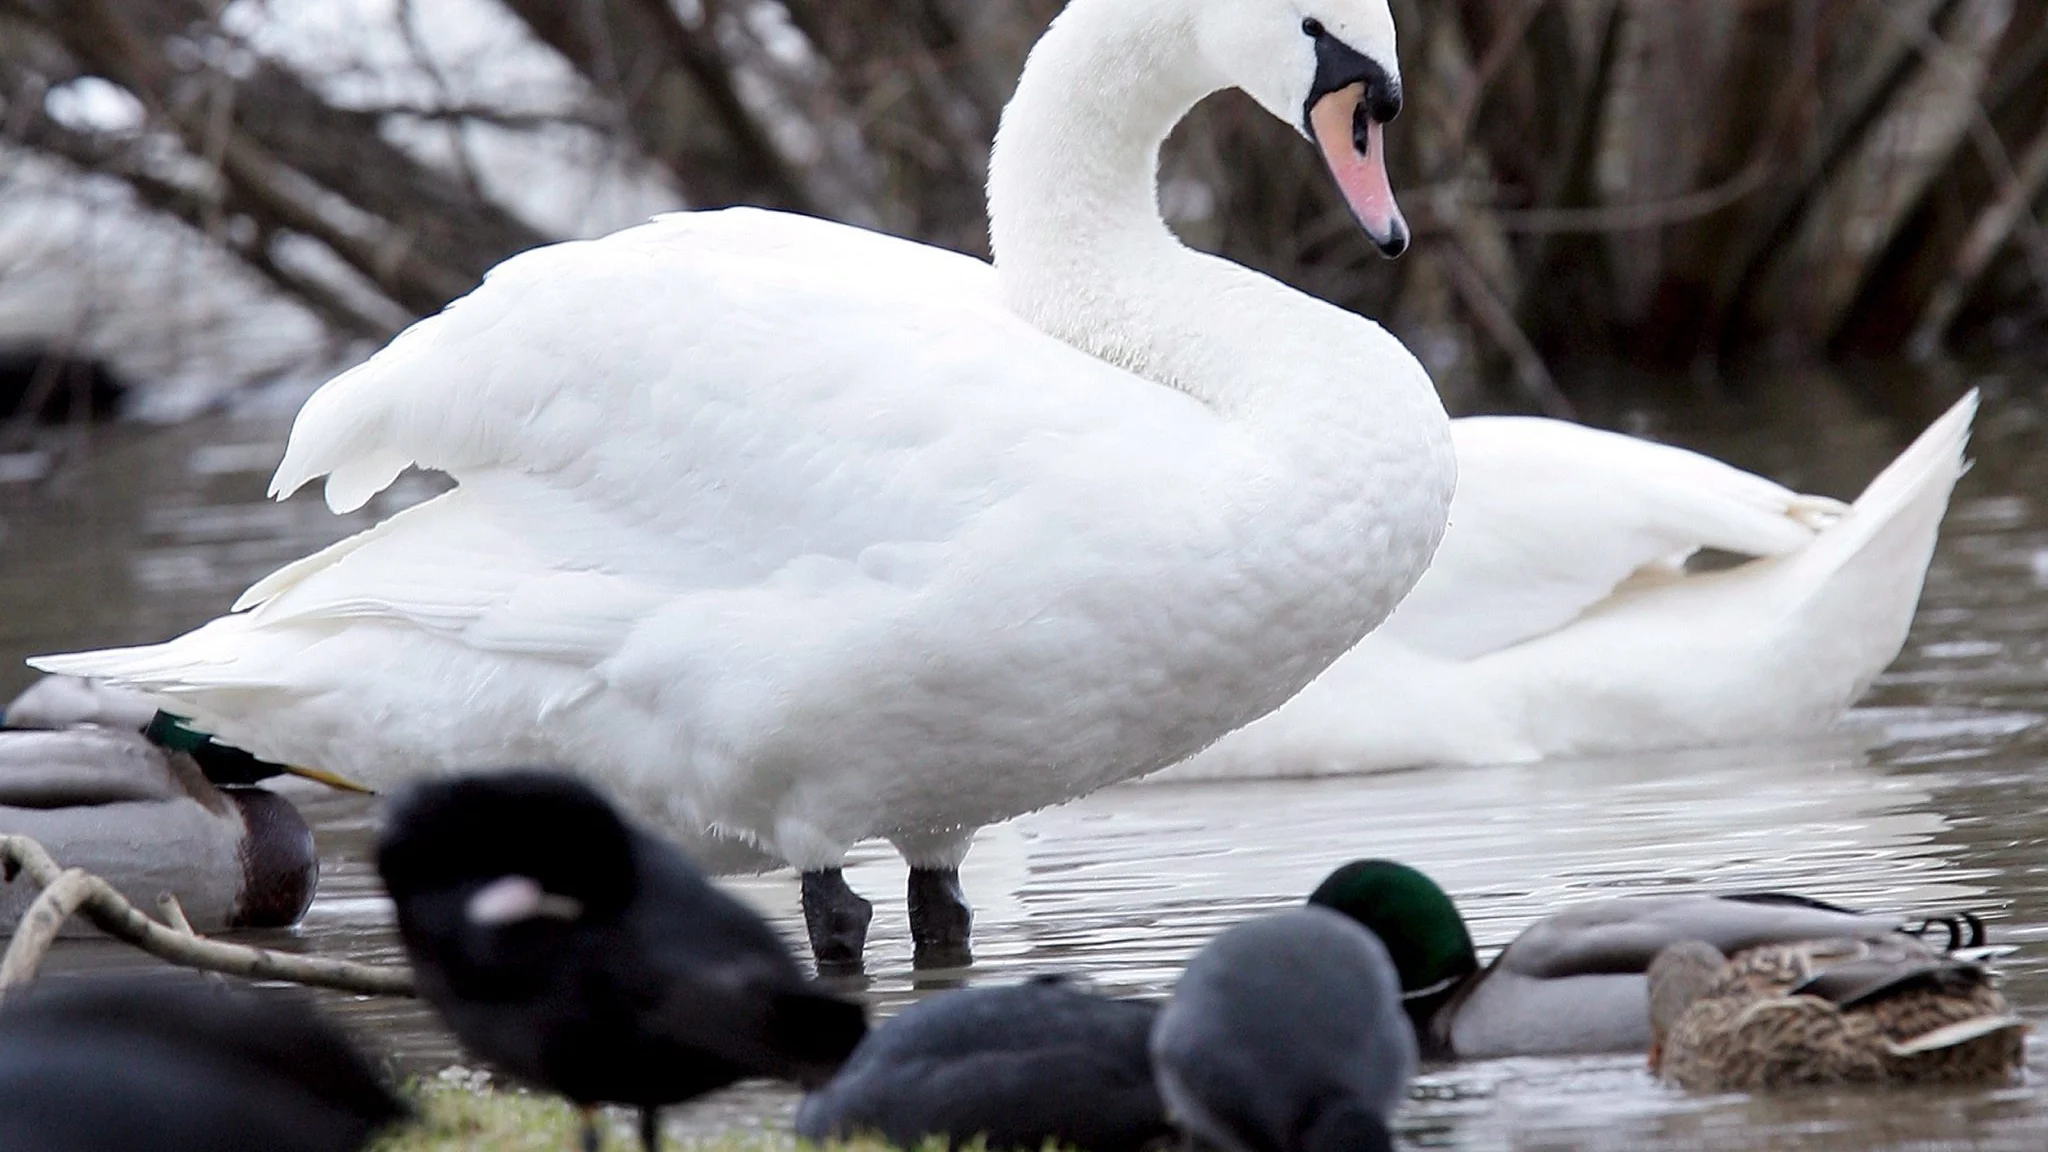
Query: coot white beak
[514, 899]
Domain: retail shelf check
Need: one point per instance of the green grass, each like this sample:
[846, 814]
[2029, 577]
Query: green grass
[460, 1112]
[455, 1114]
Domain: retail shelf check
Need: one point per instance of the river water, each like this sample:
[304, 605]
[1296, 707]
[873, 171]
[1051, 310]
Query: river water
[1931, 797]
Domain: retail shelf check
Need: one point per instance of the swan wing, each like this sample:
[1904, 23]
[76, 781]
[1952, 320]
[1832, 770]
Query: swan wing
[705, 402]
[1550, 518]
[714, 442]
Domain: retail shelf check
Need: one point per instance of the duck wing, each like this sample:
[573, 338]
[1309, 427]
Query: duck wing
[88, 766]
[1622, 936]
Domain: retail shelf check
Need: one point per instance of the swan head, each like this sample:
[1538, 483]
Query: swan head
[1327, 67]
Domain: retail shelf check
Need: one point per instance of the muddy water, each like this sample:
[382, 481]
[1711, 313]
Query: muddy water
[1930, 798]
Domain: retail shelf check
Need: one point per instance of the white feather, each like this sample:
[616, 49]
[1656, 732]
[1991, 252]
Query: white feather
[1555, 621]
[799, 534]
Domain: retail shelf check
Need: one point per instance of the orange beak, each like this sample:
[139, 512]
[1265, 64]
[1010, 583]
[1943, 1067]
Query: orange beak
[1354, 146]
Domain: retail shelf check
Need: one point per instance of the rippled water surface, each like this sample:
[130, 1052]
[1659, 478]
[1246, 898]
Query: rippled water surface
[1931, 796]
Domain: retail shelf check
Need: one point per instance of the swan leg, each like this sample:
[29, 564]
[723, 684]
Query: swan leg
[941, 923]
[650, 1129]
[592, 1142]
[837, 919]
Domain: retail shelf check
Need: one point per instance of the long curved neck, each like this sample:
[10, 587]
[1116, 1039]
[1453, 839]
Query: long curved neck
[1073, 204]
[1331, 437]
[1082, 252]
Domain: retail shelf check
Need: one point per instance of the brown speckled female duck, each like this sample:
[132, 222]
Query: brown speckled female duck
[1889, 1010]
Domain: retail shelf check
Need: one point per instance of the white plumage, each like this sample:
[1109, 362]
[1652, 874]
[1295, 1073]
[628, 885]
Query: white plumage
[1558, 619]
[797, 534]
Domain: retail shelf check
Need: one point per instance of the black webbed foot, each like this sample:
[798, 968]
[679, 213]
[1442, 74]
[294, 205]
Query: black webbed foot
[836, 917]
[941, 924]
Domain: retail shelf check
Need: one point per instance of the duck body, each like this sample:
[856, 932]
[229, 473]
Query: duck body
[1558, 618]
[583, 955]
[63, 701]
[1286, 1034]
[1016, 1068]
[1847, 1011]
[174, 1065]
[1576, 981]
[793, 534]
[147, 819]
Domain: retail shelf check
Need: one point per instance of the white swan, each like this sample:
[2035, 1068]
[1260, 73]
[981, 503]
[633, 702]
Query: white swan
[795, 534]
[1557, 618]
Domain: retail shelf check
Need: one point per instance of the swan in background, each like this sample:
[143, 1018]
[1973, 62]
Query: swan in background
[1558, 618]
[795, 535]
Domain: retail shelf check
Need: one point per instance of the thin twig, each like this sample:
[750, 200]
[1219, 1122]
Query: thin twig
[1773, 237]
[111, 913]
[1497, 320]
[1464, 114]
[174, 915]
[1989, 233]
[61, 897]
[1641, 215]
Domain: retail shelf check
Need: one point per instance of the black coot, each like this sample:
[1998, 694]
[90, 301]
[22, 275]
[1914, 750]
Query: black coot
[1016, 1067]
[177, 1065]
[581, 954]
[1286, 1034]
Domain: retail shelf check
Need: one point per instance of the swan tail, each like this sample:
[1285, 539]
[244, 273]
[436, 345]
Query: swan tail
[1893, 524]
[201, 660]
[1855, 588]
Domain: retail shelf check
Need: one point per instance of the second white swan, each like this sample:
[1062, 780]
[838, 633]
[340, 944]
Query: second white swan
[1558, 618]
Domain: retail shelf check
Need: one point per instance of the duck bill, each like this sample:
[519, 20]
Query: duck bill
[1354, 146]
[333, 780]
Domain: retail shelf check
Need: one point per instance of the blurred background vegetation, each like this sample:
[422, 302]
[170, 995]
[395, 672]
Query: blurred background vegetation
[1609, 196]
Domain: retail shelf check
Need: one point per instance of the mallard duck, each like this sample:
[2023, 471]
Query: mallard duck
[62, 701]
[148, 820]
[1021, 1067]
[1285, 1034]
[55, 703]
[173, 1064]
[1888, 1010]
[111, 785]
[577, 952]
[1574, 981]
[794, 535]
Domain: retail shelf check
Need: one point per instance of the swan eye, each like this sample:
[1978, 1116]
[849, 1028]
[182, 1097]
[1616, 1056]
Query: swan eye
[1312, 27]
